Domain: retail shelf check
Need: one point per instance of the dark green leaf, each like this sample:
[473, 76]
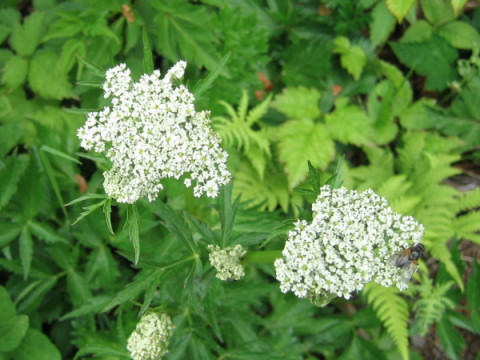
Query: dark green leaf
[452, 341]
[9, 136]
[473, 295]
[132, 226]
[59, 153]
[8, 232]
[227, 213]
[36, 346]
[433, 59]
[203, 85]
[147, 53]
[44, 232]
[10, 174]
[12, 332]
[107, 211]
[96, 70]
[39, 289]
[7, 308]
[175, 223]
[26, 251]
[31, 188]
[360, 348]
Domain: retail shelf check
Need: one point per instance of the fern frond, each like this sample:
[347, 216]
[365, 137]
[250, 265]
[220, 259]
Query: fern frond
[437, 247]
[432, 305]
[392, 310]
[467, 201]
[467, 226]
[237, 130]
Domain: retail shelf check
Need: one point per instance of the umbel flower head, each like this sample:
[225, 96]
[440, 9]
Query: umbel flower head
[347, 244]
[227, 261]
[150, 339]
[150, 132]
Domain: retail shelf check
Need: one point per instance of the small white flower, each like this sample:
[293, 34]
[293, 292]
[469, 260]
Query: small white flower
[227, 262]
[347, 245]
[150, 339]
[150, 132]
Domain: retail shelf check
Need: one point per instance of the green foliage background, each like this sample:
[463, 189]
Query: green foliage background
[391, 86]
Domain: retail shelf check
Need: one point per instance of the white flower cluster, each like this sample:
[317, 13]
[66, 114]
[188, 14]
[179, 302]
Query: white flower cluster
[348, 244]
[150, 339]
[227, 262]
[152, 132]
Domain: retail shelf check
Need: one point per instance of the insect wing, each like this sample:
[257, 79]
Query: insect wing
[400, 260]
[409, 270]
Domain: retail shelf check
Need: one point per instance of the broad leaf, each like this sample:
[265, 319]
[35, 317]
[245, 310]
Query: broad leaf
[298, 103]
[399, 8]
[15, 71]
[36, 346]
[460, 35]
[25, 38]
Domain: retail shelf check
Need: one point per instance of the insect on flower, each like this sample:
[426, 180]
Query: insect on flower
[407, 260]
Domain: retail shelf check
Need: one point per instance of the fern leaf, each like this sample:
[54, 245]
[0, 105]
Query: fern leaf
[269, 193]
[300, 141]
[440, 251]
[243, 105]
[432, 305]
[467, 201]
[392, 310]
[258, 111]
[467, 226]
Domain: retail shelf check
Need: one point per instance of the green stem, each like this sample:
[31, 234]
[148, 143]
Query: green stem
[262, 257]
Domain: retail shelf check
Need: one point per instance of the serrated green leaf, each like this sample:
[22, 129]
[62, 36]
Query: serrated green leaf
[25, 38]
[437, 12]
[15, 72]
[399, 8]
[133, 229]
[227, 212]
[307, 62]
[77, 288]
[360, 348]
[31, 188]
[107, 211]
[349, 123]
[93, 306]
[134, 288]
[29, 302]
[44, 232]
[96, 70]
[460, 35]
[36, 346]
[7, 308]
[473, 296]
[203, 85]
[298, 103]
[147, 53]
[9, 136]
[419, 31]
[452, 341]
[301, 141]
[354, 61]
[175, 223]
[87, 197]
[392, 310]
[45, 69]
[8, 233]
[26, 251]
[12, 332]
[59, 153]
[433, 59]
[186, 33]
[383, 23]
[10, 174]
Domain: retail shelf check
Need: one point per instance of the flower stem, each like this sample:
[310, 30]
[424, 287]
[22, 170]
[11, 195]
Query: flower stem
[262, 257]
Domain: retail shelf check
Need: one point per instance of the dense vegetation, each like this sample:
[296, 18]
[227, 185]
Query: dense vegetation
[383, 94]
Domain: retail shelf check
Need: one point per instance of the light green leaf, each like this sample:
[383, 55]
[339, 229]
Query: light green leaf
[12, 332]
[457, 6]
[460, 35]
[399, 8]
[383, 22]
[416, 116]
[25, 38]
[26, 251]
[15, 71]
[46, 69]
[354, 61]
[348, 123]
[59, 153]
[298, 103]
[300, 141]
[437, 12]
[419, 31]
[36, 346]
[133, 231]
